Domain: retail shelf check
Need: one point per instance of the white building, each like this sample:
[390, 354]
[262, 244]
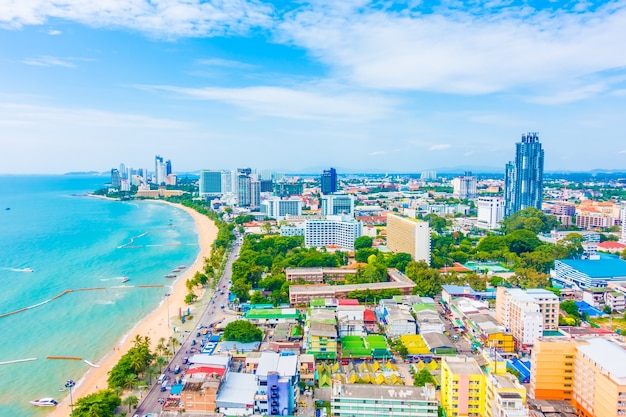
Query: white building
[490, 212]
[337, 231]
[408, 235]
[337, 204]
[526, 314]
[623, 218]
[278, 209]
[464, 187]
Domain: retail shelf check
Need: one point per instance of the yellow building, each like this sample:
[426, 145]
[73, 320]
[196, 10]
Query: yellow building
[462, 387]
[408, 235]
[504, 395]
[600, 379]
[501, 341]
[552, 363]
[414, 344]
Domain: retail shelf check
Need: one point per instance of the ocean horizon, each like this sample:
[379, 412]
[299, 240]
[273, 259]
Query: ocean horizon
[55, 238]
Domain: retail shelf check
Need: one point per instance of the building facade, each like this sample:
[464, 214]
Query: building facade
[278, 209]
[408, 235]
[464, 187]
[328, 181]
[210, 183]
[337, 231]
[463, 387]
[490, 212]
[524, 177]
[337, 205]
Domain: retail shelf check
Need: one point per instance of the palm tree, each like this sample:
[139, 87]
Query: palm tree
[150, 372]
[138, 340]
[146, 341]
[131, 401]
[160, 362]
[129, 381]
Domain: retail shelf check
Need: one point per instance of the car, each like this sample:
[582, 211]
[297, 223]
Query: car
[177, 370]
[198, 334]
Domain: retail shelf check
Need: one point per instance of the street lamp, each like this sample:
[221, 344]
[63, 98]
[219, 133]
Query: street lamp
[70, 384]
[167, 299]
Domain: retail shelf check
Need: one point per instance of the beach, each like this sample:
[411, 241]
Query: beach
[154, 326]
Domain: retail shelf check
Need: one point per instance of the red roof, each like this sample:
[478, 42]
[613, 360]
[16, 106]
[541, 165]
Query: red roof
[348, 302]
[207, 370]
[368, 315]
[611, 245]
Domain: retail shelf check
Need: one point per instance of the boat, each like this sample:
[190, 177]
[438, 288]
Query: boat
[175, 270]
[28, 270]
[181, 267]
[125, 279]
[170, 276]
[44, 402]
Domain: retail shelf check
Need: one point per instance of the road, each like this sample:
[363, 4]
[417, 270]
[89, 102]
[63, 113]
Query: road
[150, 402]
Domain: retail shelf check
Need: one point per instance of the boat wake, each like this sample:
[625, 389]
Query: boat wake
[130, 242]
[19, 269]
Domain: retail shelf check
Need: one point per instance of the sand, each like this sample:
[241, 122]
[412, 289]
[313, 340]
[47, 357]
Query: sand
[154, 325]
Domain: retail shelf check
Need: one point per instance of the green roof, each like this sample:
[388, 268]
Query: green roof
[318, 302]
[273, 313]
[423, 306]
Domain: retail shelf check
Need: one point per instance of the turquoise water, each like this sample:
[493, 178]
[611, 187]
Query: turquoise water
[71, 241]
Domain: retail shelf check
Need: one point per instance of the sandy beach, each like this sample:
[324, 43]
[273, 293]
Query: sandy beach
[154, 325]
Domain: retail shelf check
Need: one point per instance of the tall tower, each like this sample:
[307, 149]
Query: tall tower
[328, 182]
[523, 182]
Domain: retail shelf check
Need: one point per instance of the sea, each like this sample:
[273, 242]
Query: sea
[56, 240]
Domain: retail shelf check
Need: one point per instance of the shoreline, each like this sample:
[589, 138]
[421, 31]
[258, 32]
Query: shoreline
[154, 325]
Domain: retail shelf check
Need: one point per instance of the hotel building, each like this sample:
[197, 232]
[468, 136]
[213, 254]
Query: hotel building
[490, 212]
[210, 183]
[408, 235]
[337, 231]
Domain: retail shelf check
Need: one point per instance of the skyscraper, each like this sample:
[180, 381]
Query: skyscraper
[210, 183]
[523, 181]
[328, 182]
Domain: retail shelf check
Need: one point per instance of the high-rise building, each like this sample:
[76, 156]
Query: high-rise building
[116, 179]
[464, 186]
[244, 196]
[409, 235]
[168, 167]
[255, 194]
[623, 218]
[337, 204]
[210, 183]
[337, 231]
[160, 170]
[490, 212]
[463, 386]
[276, 208]
[523, 181]
[328, 181]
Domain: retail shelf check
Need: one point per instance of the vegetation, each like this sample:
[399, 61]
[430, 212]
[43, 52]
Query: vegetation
[133, 363]
[424, 377]
[363, 242]
[100, 404]
[242, 331]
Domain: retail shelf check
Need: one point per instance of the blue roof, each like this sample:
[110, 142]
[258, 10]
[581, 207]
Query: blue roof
[176, 389]
[598, 268]
[458, 290]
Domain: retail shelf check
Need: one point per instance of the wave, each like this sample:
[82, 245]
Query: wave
[19, 269]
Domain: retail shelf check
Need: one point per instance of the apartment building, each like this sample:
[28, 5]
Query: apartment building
[349, 400]
[527, 313]
[463, 387]
[337, 231]
[552, 362]
[600, 379]
[408, 235]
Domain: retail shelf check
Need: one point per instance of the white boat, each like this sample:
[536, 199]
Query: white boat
[28, 270]
[125, 279]
[44, 402]
[181, 267]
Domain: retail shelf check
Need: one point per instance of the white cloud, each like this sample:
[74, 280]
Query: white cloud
[623, 151]
[377, 153]
[312, 103]
[568, 96]
[49, 61]
[457, 51]
[441, 147]
[54, 32]
[159, 18]
[225, 63]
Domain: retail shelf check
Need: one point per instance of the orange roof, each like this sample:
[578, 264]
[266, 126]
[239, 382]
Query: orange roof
[355, 265]
[611, 245]
[457, 267]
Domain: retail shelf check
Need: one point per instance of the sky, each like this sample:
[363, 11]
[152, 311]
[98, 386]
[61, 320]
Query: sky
[360, 85]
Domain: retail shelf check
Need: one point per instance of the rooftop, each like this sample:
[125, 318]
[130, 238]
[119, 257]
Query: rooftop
[285, 365]
[463, 365]
[598, 268]
[606, 355]
[383, 392]
[238, 390]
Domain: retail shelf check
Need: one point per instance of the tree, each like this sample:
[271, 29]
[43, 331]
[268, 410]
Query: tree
[436, 223]
[131, 401]
[427, 280]
[363, 242]
[361, 255]
[399, 261]
[570, 308]
[522, 240]
[190, 298]
[99, 404]
[423, 377]
[530, 219]
[242, 331]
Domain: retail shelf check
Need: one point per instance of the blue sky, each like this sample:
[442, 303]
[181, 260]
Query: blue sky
[362, 85]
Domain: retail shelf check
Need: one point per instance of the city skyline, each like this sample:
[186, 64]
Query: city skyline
[354, 85]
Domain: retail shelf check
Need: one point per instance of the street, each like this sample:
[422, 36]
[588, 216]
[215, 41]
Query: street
[150, 402]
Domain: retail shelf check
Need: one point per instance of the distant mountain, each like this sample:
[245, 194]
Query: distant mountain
[86, 173]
